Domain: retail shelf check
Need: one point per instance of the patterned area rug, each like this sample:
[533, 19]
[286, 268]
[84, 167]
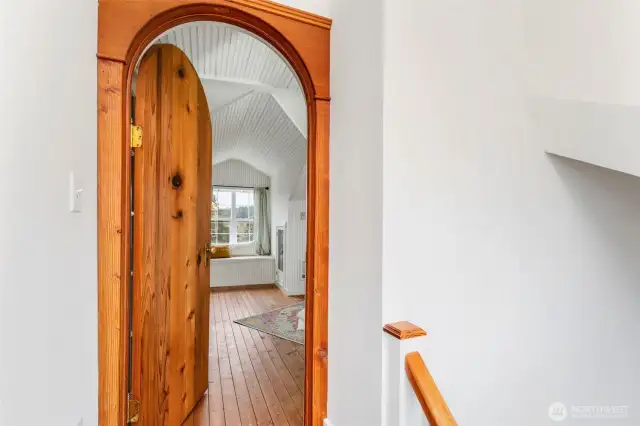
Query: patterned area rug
[281, 322]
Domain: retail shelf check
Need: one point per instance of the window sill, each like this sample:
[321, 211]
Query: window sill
[255, 258]
[232, 246]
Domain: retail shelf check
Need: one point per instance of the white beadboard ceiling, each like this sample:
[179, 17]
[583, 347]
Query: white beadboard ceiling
[258, 110]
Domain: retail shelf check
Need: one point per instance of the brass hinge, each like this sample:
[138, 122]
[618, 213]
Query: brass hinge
[136, 136]
[133, 410]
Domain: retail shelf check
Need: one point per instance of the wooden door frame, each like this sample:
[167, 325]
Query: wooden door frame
[125, 28]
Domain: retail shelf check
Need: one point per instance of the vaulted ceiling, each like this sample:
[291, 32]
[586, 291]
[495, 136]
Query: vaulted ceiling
[258, 110]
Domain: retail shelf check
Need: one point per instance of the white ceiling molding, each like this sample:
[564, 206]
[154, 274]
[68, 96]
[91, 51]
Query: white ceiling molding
[258, 109]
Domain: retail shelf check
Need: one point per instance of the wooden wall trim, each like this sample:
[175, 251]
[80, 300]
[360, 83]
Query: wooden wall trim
[125, 28]
[125, 25]
[112, 264]
[287, 12]
[317, 291]
[404, 330]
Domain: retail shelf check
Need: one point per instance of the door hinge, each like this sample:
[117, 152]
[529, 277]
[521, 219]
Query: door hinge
[133, 410]
[136, 136]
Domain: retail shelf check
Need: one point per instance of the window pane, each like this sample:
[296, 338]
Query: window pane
[222, 239]
[244, 205]
[220, 216]
[225, 204]
[245, 238]
[221, 227]
[221, 207]
[244, 227]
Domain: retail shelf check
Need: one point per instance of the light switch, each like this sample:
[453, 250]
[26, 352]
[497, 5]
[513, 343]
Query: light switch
[75, 195]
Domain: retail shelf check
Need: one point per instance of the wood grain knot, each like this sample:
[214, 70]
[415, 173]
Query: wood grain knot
[181, 72]
[323, 354]
[176, 181]
[178, 215]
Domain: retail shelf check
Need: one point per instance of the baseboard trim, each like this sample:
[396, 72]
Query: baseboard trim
[243, 287]
[286, 293]
[282, 290]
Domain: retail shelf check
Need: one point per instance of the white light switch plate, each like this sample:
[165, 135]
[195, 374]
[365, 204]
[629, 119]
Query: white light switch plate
[75, 195]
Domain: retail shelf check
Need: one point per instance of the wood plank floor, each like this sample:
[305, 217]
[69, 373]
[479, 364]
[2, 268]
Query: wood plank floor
[255, 379]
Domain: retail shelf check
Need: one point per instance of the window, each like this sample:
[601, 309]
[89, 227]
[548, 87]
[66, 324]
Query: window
[232, 216]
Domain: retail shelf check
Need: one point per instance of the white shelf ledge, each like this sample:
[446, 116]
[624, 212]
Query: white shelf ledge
[604, 135]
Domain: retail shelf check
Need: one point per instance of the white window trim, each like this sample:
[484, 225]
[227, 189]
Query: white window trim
[233, 223]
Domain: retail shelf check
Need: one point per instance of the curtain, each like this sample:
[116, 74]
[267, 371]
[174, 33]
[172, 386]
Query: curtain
[262, 222]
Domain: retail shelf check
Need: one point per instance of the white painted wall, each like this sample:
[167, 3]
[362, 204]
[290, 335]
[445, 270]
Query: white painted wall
[524, 268]
[583, 67]
[355, 249]
[583, 50]
[235, 172]
[283, 185]
[48, 272]
[401, 407]
[300, 191]
[319, 7]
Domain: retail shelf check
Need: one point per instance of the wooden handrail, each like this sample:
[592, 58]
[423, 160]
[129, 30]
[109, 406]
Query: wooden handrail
[431, 400]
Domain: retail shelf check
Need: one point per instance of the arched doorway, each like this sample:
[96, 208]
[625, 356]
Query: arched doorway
[125, 29]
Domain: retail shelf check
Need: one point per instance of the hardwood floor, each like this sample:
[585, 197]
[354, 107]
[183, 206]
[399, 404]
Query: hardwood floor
[255, 379]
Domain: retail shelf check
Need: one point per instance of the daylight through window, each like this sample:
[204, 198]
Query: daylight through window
[232, 216]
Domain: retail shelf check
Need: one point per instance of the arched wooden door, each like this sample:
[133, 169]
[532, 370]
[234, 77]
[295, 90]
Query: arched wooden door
[171, 232]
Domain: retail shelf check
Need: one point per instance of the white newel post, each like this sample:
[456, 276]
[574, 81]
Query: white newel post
[400, 404]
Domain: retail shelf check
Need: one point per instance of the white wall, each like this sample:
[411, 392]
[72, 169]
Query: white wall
[583, 68]
[319, 7]
[48, 272]
[583, 50]
[524, 270]
[300, 191]
[283, 184]
[238, 173]
[355, 249]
